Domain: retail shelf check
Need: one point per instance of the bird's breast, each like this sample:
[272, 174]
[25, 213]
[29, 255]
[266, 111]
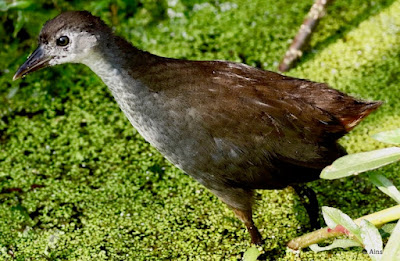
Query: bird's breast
[169, 127]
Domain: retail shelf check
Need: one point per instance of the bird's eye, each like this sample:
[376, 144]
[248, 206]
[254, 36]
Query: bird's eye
[62, 41]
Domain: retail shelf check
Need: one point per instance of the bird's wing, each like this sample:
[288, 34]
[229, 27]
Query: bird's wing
[249, 109]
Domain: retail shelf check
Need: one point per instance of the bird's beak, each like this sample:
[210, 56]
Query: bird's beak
[36, 61]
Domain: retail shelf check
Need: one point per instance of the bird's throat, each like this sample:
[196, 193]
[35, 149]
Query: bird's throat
[118, 67]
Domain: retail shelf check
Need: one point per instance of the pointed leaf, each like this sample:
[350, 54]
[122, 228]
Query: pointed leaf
[392, 249]
[20, 4]
[354, 164]
[12, 92]
[385, 185]
[251, 254]
[390, 137]
[15, 4]
[372, 240]
[19, 24]
[387, 229]
[343, 243]
[334, 217]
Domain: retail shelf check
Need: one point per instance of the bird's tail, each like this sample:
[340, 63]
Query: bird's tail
[356, 112]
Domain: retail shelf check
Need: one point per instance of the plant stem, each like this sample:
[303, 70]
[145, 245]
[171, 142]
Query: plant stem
[378, 219]
[295, 50]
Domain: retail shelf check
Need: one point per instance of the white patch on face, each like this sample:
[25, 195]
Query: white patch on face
[80, 46]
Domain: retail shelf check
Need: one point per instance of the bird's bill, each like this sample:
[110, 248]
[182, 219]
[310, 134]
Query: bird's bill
[36, 61]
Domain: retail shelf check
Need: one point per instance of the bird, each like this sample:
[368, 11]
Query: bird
[232, 127]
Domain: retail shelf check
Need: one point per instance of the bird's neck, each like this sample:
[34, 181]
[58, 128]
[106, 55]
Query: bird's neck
[119, 64]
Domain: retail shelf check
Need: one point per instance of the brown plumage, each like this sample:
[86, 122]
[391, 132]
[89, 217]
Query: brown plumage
[232, 127]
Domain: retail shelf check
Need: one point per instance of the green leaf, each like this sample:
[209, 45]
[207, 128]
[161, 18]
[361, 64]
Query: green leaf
[391, 137]
[392, 249]
[20, 4]
[343, 243]
[251, 254]
[354, 164]
[12, 92]
[372, 240]
[3, 6]
[387, 229]
[19, 24]
[385, 185]
[334, 217]
[15, 4]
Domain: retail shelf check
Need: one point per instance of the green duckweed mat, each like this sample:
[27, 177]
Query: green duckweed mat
[77, 182]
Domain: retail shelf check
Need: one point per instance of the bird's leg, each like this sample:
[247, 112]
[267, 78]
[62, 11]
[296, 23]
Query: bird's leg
[246, 217]
[240, 201]
[311, 206]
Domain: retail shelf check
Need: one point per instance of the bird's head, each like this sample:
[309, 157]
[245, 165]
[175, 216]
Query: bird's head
[71, 37]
